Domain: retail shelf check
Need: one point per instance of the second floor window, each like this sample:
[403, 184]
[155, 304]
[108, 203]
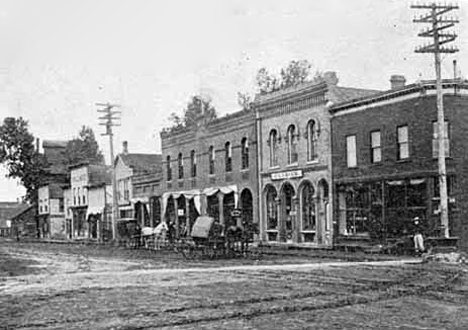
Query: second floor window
[228, 156]
[79, 196]
[435, 139]
[180, 166]
[168, 168]
[376, 147]
[74, 196]
[351, 158]
[311, 141]
[126, 189]
[273, 144]
[245, 153]
[402, 142]
[292, 144]
[193, 163]
[212, 155]
[84, 195]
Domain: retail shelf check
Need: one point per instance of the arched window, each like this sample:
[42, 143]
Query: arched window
[273, 143]
[311, 141]
[292, 144]
[212, 155]
[228, 156]
[180, 165]
[193, 163]
[168, 168]
[245, 153]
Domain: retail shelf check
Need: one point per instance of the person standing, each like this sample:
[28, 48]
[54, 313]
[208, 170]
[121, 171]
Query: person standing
[418, 236]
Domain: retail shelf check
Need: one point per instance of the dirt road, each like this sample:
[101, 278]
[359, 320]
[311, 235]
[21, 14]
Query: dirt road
[82, 289]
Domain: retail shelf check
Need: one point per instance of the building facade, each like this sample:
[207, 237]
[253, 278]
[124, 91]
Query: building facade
[51, 211]
[295, 161]
[91, 198]
[137, 177]
[210, 168]
[385, 172]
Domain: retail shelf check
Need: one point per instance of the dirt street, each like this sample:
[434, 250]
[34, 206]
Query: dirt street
[84, 287]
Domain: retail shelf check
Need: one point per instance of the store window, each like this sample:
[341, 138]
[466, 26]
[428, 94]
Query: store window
[228, 156]
[168, 168]
[272, 210]
[180, 166]
[376, 147]
[351, 151]
[402, 142]
[273, 145]
[435, 139]
[245, 153]
[212, 155]
[311, 141]
[193, 164]
[292, 144]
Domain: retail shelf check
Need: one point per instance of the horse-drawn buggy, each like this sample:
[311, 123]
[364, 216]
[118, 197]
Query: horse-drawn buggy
[209, 239]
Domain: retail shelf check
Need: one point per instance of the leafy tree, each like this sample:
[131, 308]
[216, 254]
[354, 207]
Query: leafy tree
[197, 107]
[245, 101]
[84, 148]
[295, 73]
[20, 157]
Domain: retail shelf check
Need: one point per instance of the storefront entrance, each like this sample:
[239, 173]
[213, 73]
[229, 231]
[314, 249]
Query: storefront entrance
[288, 213]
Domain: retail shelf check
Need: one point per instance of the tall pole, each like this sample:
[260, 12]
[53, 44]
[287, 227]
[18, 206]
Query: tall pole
[109, 119]
[438, 24]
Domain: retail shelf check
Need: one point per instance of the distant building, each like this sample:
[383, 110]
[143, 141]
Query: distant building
[385, 169]
[294, 146]
[210, 168]
[55, 154]
[51, 211]
[24, 223]
[138, 177]
[91, 201]
[8, 210]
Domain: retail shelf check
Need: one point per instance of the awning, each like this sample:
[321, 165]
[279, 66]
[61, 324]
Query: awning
[94, 210]
[140, 199]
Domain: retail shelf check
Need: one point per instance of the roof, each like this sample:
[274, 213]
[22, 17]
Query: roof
[8, 210]
[99, 175]
[146, 163]
[54, 144]
[342, 94]
[393, 93]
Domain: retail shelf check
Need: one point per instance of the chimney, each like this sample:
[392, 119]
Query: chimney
[330, 77]
[397, 81]
[37, 145]
[125, 147]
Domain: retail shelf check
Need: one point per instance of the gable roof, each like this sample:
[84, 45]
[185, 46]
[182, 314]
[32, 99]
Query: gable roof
[9, 210]
[143, 163]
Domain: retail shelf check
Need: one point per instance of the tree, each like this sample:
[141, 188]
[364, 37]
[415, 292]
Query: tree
[295, 73]
[245, 101]
[198, 107]
[20, 157]
[84, 148]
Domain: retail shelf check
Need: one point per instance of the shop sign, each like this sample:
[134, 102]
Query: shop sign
[286, 175]
[236, 213]
[180, 212]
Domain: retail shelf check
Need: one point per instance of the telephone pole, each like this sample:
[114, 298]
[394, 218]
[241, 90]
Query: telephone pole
[439, 23]
[111, 118]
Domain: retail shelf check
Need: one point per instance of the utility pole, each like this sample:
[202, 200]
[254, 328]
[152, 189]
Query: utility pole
[111, 118]
[435, 16]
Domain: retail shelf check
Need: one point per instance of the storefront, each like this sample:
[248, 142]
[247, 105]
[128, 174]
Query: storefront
[296, 208]
[384, 209]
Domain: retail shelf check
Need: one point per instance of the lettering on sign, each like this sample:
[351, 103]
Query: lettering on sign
[286, 175]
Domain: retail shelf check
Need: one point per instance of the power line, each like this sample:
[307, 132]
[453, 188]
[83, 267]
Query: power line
[435, 15]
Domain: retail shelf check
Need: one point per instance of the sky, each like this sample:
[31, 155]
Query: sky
[60, 57]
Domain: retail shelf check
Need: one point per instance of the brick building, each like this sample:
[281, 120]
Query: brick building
[293, 130]
[385, 169]
[210, 168]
